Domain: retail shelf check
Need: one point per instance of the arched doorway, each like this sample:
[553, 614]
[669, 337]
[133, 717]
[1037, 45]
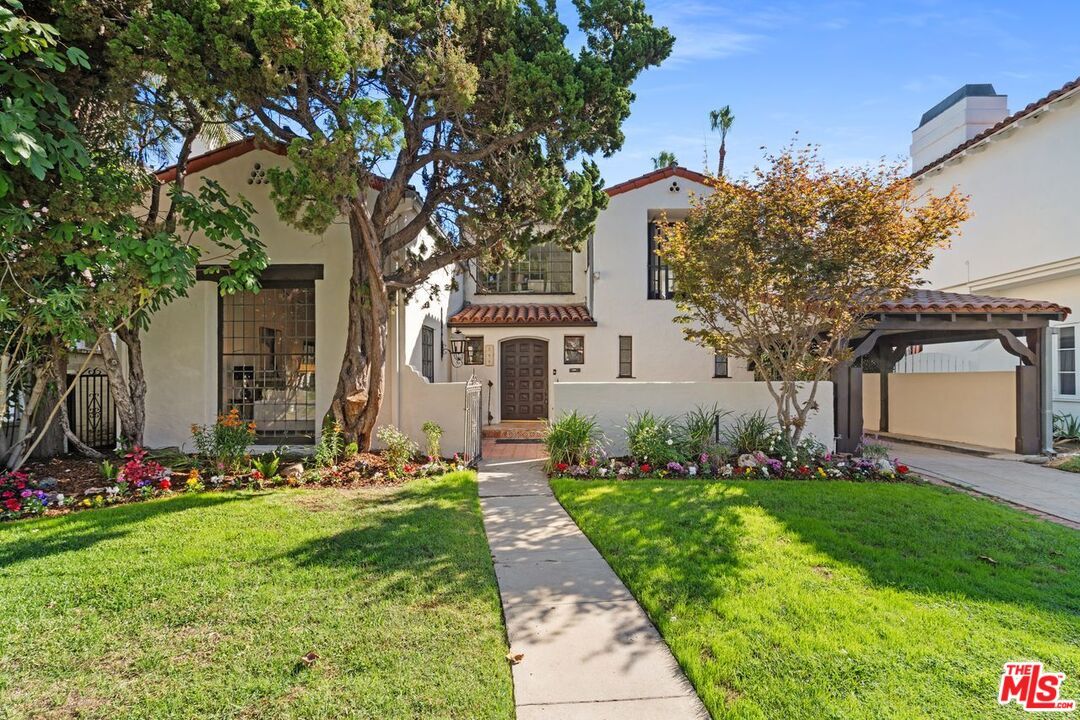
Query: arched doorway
[523, 379]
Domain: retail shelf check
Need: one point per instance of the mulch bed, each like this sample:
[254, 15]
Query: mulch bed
[73, 473]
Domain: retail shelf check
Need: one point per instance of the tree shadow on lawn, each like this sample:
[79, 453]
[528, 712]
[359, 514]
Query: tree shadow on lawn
[42, 537]
[913, 537]
[425, 538]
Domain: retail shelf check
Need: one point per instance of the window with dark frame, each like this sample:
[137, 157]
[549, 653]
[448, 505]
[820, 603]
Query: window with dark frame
[626, 356]
[427, 352]
[573, 349]
[1067, 361]
[474, 350]
[266, 358]
[661, 279]
[720, 366]
[544, 269]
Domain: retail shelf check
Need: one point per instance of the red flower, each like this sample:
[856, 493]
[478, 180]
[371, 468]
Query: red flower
[561, 467]
[804, 470]
[902, 469]
[165, 484]
[645, 467]
[12, 505]
[20, 485]
[8, 493]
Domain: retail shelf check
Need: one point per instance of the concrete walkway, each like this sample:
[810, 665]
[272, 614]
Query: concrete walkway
[1053, 492]
[589, 649]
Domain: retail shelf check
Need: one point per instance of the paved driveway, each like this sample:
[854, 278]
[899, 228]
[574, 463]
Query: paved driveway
[1054, 492]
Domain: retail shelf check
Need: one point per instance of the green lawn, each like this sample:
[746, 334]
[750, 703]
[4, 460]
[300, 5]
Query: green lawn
[201, 606]
[809, 599]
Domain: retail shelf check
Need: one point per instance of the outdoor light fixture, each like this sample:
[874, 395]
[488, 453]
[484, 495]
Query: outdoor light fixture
[457, 347]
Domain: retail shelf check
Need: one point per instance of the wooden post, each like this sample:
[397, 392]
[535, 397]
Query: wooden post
[884, 366]
[1028, 421]
[847, 407]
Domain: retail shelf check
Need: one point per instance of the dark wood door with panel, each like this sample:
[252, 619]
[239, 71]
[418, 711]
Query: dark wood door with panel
[524, 379]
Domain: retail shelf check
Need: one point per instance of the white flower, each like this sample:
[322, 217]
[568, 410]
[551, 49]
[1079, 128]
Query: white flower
[670, 441]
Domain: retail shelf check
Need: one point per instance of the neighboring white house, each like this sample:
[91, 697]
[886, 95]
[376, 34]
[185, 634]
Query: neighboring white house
[1021, 171]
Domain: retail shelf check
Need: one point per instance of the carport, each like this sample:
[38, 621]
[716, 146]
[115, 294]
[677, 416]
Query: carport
[927, 317]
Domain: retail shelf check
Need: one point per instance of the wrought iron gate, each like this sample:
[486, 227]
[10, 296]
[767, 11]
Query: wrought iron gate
[91, 411]
[473, 421]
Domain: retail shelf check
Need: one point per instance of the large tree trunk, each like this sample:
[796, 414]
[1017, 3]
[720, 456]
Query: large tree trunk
[722, 154]
[361, 381]
[128, 392]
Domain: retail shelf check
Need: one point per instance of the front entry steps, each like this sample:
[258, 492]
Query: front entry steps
[515, 432]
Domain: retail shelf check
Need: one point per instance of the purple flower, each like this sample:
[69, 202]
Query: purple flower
[26, 493]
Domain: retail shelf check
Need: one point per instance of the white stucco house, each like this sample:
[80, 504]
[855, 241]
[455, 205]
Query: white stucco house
[1021, 171]
[590, 319]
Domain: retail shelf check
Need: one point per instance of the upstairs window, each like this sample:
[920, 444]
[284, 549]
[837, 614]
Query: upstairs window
[720, 366]
[544, 269]
[1067, 361]
[661, 279]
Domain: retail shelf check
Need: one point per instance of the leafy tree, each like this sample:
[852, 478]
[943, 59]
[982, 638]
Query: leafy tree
[664, 159]
[480, 105]
[84, 264]
[721, 121]
[784, 268]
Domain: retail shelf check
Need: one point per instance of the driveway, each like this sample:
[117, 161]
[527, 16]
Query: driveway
[1053, 492]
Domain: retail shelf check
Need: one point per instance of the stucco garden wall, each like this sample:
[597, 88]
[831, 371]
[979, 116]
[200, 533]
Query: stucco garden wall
[610, 403]
[977, 408]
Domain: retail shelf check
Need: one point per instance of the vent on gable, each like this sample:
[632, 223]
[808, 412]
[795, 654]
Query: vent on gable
[257, 176]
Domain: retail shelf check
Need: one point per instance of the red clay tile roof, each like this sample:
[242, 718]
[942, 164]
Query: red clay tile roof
[508, 315]
[935, 301]
[1041, 102]
[656, 176]
[232, 150]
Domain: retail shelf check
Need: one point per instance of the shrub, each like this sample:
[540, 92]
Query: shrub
[331, 445]
[267, 466]
[433, 432]
[571, 439]
[749, 433]
[1066, 427]
[653, 439]
[870, 449]
[698, 429]
[224, 444]
[399, 448]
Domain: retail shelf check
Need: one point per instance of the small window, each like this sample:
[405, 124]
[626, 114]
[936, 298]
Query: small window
[661, 279]
[1067, 361]
[720, 366]
[427, 352]
[626, 356]
[474, 350]
[573, 349]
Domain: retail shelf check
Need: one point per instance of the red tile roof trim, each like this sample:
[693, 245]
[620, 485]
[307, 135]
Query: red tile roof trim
[935, 301]
[523, 314]
[1032, 107]
[234, 150]
[656, 176]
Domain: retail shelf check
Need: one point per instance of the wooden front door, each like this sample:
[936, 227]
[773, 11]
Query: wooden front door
[524, 379]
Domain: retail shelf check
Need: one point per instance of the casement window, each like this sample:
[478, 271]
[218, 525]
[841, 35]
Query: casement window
[1066, 357]
[266, 354]
[720, 366]
[544, 269]
[474, 350]
[626, 356]
[427, 352]
[573, 349]
[661, 279]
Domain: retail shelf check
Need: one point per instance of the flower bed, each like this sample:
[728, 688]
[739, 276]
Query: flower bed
[749, 466]
[63, 485]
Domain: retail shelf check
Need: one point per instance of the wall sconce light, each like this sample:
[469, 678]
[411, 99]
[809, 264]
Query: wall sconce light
[457, 347]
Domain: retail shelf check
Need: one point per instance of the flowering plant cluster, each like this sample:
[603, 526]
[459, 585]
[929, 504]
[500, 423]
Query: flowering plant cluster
[223, 446]
[746, 466]
[21, 497]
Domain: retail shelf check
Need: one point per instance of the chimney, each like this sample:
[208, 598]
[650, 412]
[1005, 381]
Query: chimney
[954, 121]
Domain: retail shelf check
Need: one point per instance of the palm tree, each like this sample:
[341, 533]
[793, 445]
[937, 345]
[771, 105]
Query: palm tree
[721, 120]
[664, 159]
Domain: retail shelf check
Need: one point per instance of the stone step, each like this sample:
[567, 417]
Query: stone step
[514, 431]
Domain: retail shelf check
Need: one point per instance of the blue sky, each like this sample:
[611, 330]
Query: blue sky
[852, 77]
